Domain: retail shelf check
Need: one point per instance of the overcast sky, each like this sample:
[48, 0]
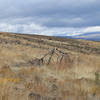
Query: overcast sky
[50, 17]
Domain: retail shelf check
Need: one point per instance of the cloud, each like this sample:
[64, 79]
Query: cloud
[21, 28]
[33, 28]
[92, 29]
[50, 17]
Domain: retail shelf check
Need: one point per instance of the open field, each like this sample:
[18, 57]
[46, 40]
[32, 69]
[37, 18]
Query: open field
[23, 77]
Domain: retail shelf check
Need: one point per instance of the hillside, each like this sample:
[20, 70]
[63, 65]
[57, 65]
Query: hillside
[73, 77]
[95, 36]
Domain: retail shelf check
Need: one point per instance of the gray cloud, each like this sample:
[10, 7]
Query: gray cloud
[60, 16]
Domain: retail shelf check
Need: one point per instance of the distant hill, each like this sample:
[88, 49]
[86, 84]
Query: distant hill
[94, 36]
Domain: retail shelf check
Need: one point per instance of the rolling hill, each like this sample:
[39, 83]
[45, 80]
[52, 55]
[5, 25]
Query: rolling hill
[71, 74]
[94, 36]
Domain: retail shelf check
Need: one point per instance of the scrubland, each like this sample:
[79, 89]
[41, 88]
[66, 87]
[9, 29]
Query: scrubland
[74, 79]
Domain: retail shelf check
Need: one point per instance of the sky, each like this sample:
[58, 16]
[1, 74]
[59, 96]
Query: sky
[50, 17]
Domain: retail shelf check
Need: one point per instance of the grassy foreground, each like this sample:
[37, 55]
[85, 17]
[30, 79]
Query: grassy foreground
[75, 79]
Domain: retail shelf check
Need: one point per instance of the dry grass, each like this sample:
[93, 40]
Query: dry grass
[47, 82]
[68, 80]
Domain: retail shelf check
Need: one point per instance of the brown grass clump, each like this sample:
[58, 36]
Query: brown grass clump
[6, 71]
[6, 91]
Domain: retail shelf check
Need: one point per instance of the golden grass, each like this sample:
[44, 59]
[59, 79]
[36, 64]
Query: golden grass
[49, 82]
[67, 80]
